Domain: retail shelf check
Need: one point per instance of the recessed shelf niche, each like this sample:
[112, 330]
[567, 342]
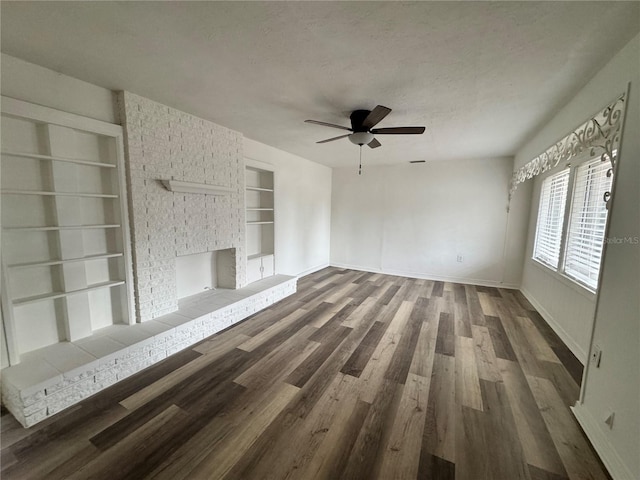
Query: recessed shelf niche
[260, 218]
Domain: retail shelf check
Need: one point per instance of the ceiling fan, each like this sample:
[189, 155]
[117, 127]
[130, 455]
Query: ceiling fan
[362, 123]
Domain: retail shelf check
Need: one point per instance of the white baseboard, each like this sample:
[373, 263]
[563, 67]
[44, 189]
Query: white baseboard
[426, 276]
[562, 333]
[615, 465]
[313, 269]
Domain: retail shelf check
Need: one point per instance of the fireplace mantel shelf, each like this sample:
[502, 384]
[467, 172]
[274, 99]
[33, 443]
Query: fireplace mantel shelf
[193, 187]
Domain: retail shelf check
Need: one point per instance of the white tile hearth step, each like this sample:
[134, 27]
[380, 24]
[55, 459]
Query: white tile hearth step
[56, 377]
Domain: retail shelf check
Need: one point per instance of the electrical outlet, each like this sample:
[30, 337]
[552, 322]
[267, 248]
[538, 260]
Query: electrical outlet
[460, 258]
[596, 355]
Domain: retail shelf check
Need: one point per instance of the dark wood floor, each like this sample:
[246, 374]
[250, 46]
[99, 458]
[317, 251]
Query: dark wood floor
[356, 376]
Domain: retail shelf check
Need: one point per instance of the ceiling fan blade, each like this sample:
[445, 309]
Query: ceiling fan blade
[374, 143]
[334, 138]
[398, 131]
[328, 124]
[376, 115]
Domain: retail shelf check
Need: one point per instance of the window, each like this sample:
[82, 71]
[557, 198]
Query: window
[569, 238]
[553, 197]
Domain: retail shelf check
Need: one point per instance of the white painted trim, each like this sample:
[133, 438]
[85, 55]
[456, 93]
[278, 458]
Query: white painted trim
[311, 270]
[253, 163]
[426, 276]
[20, 108]
[561, 332]
[614, 463]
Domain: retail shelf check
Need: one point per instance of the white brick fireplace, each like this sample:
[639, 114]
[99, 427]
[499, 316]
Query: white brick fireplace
[162, 143]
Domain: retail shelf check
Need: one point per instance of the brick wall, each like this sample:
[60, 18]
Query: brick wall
[162, 143]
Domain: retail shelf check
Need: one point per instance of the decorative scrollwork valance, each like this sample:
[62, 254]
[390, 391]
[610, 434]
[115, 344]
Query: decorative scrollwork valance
[600, 135]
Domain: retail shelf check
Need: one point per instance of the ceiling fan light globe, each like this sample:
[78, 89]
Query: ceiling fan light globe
[361, 138]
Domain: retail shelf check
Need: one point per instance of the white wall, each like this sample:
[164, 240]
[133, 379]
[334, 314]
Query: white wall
[33, 83]
[615, 386]
[416, 219]
[302, 209]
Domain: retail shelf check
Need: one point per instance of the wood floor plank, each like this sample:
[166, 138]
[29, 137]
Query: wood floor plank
[213, 353]
[476, 315]
[290, 453]
[401, 454]
[280, 362]
[305, 370]
[540, 474]
[571, 445]
[462, 324]
[524, 353]
[374, 372]
[565, 385]
[467, 382]
[332, 454]
[438, 289]
[360, 311]
[330, 314]
[499, 340]
[220, 461]
[388, 294]
[422, 362]
[269, 332]
[486, 303]
[471, 437]
[124, 457]
[404, 352]
[361, 355]
[201, 437]
[540, 347]
[532, 431]
[207, 388]
[364, 457]
[446, 343]
[507, 457]
[436, 468]
[54, 446]
[439, 431]
[485, 355]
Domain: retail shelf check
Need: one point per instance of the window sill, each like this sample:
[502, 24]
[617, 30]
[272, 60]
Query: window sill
[565, 280]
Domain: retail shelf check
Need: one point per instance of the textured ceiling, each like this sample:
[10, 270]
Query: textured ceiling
[481, 76]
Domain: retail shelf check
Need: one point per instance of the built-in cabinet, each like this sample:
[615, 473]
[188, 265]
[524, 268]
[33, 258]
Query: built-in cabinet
[260, 217]
[65, 248]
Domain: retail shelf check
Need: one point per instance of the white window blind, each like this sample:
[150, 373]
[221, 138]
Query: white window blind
[587, 222]
[553, 197]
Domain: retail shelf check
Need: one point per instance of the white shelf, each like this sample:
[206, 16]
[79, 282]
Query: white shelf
[58, 194]
[54, 295]
[259, 189]
[68, 260]
[259, 255]
[193, 187]
[259, 209]
[260, 223]
[58, 159]
[70, 227]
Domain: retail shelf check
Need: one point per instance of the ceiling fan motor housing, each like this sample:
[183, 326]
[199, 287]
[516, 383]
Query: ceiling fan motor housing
[357, 119]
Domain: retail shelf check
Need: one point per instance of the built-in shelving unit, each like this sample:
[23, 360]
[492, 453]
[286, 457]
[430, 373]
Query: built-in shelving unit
[260, 218]
[65, 245]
